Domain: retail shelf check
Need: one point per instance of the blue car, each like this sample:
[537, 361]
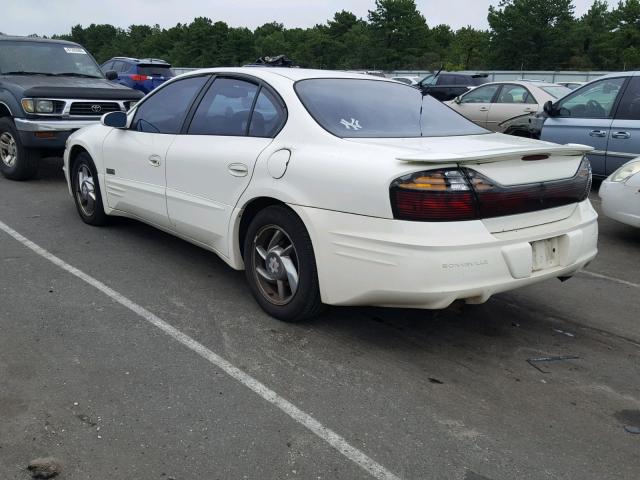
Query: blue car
[142, 74]
[604, 114]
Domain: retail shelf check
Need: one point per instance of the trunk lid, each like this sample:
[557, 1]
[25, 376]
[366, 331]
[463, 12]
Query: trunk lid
[497, 156]
[506, 160]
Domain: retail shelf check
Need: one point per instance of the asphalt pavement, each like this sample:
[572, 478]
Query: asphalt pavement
[424, 395]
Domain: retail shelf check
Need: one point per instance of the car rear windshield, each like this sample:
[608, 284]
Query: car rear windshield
[557, 92]
[155, 70]
[356, 108]
[48, 58]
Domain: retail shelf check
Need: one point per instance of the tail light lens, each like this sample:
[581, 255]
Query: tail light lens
[433, 196]
[455, 194]
[139, 78]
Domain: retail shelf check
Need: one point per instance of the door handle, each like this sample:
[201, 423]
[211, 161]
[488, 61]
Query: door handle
[621, 135]
[530, 110]
[598, 133]
[238, 169]
[484, 109]
[154, 160]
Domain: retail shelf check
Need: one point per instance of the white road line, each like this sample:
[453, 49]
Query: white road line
[332, 438]
[611, 279]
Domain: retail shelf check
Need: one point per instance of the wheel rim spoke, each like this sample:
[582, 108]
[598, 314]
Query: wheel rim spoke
[281, 289]
[292, 274]
[263, 273]
[262, 252]
[275, 239]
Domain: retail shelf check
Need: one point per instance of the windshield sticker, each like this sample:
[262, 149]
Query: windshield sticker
[352, 125]
[80, 51]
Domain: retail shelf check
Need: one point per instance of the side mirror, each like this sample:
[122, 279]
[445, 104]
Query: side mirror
[114, 119]
[458, 100]
[111, 75]
[549, 109]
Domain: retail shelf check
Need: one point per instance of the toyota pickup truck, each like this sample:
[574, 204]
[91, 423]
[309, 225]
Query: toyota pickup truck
[48, 90]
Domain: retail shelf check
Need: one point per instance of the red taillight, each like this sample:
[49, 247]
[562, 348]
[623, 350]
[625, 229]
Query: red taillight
[433, 196]
[139, 78]
[464, 194]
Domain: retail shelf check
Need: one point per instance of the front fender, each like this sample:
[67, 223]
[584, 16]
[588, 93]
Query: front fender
[89, 139]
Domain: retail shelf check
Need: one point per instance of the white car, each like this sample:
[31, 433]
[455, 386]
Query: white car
[338, 188]
[496, 105]
[620, 194]
[413, 81]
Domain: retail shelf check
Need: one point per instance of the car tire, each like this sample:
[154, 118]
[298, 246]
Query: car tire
[280, 265]
[86, 191]
[16, 161]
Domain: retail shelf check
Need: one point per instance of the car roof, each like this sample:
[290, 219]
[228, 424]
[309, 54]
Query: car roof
[293, 74]
[153, 61]
[618, 74]
[524, 83]
[16, 38]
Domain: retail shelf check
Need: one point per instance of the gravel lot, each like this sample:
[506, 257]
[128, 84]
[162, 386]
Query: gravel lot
[426, 395]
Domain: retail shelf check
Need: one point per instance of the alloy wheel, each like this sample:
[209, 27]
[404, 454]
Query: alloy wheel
[86, 191]
[8, 149]
[276, 264]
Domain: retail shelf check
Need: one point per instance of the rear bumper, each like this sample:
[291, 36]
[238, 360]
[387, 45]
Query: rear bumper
[621, 200]
[381, 262]
[48, 134]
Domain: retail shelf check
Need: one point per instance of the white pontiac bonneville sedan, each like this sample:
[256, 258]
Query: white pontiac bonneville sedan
[338, 188]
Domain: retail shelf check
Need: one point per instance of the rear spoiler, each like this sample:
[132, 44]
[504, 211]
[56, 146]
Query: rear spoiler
[497, 155]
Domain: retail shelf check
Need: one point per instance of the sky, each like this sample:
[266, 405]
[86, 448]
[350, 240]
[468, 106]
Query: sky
[46, 17]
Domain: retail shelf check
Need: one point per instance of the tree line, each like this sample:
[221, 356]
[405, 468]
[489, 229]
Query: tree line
[522, 34]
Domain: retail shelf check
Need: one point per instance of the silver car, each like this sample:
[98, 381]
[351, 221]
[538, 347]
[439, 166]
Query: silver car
[604, 114]
[506, 106]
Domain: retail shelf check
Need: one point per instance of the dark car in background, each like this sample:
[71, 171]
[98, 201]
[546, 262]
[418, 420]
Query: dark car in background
[142, 74]
[446, 86]
[48, 90]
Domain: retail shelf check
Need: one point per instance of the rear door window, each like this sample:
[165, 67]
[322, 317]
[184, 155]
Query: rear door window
[515, 94]
[595, 100]
[446, 80]
[479, 80]
[225, 109]
[268, 115]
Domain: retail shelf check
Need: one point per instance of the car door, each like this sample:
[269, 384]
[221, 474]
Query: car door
[512, 101]
[134, 158]
[445, 88]
[475, 105]
[585, 116]
[624, 138]
[210, 165]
